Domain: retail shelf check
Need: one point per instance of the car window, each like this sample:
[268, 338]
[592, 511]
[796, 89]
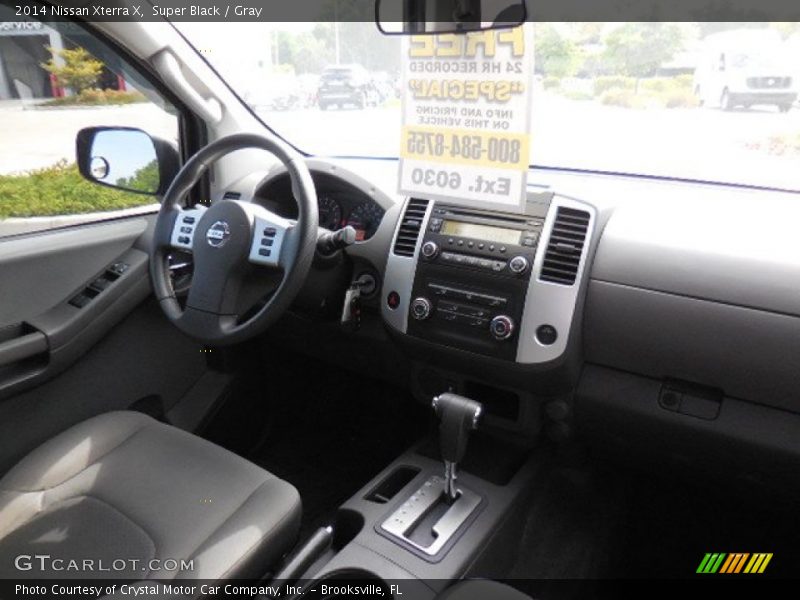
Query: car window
[54, 81]
[702, 101]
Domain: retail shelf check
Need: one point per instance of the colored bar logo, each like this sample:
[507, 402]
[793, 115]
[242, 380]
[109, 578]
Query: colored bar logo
[735, 562]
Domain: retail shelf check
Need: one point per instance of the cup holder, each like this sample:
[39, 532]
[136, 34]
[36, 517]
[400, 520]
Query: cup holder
[347, 525]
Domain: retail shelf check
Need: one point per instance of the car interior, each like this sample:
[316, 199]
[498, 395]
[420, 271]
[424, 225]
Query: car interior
[283, 369]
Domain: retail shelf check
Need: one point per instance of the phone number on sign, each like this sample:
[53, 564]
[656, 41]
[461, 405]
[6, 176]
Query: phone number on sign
[469, 147]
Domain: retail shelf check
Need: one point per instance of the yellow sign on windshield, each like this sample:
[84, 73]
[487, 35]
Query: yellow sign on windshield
[466, 116]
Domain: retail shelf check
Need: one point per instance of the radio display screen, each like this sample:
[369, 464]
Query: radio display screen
[481, 232]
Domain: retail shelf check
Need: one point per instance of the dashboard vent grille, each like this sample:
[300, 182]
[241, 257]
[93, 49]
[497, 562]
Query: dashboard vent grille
[565, 247]
[408, 233]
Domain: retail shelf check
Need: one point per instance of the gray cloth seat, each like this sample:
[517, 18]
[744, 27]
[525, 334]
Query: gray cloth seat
[124, 486]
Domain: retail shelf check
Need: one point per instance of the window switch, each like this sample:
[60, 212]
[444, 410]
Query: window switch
[119, 267]
[80, 300]
[100, 284]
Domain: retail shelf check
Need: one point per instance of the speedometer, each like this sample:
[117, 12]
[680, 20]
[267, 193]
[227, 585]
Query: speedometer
[365, 219]
[330, 212]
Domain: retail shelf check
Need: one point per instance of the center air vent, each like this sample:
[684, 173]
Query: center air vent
[408, 233]
[565, 247]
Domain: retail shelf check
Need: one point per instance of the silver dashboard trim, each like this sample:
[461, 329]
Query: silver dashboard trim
[403, 520]
[400, 273]
[550, 303]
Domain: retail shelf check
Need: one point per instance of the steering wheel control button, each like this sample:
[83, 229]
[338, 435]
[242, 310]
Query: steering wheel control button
[265, 252]
[421, 308]
[188, 220]
[518, 265]
[270, 231]
[546, 335]
[393, 300]
[267, 241]
[184, 239]
[501, 327]
[430, 250]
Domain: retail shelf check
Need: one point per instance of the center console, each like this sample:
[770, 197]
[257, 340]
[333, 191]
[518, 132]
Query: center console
[423, 523]
[490, 283]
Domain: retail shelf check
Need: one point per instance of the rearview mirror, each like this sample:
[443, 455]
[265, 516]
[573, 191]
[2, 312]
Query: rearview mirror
[127, 159]
[415, 17]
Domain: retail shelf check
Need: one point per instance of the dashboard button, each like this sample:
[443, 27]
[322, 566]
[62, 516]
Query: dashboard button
[393, 300]
[493, 301]
[471, 321]
[518, 265]
[546, 334]
[448, 306]
[421, 308]
[430, 249]
[501, 327]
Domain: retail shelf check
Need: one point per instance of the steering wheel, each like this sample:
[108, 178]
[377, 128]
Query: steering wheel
[228, 237]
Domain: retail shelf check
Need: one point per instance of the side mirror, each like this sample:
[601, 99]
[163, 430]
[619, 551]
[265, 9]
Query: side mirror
[127, 159]
[415, 17]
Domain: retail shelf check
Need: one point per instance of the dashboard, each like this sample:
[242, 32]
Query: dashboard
[633, 309]
[340, 203]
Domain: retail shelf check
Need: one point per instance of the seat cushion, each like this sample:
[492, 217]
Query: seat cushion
[481, 589]
[124, 486]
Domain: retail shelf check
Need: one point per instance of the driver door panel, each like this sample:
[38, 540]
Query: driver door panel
[63, 290]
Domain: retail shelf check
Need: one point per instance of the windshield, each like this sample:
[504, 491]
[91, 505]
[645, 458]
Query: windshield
[639, 98]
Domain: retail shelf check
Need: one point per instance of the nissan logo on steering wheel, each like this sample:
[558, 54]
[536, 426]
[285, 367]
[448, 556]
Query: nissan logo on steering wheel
[218, 234]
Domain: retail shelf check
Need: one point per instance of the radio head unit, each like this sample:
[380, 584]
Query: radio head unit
[472, 277]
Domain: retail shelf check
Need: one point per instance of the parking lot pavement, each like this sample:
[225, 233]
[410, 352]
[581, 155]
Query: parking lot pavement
[690, 143]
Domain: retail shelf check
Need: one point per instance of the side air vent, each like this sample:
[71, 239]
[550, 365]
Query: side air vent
[408, 234]
[231, 195]
[565, 247]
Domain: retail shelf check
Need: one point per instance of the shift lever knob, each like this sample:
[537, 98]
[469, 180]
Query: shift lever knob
[457, 417]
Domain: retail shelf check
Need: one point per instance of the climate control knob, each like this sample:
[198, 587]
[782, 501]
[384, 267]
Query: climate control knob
[518, 265]
[421, 308]
[430, 249]
[501, 327]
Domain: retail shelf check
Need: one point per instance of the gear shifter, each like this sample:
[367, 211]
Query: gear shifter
[457, 417]
[433, 514]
